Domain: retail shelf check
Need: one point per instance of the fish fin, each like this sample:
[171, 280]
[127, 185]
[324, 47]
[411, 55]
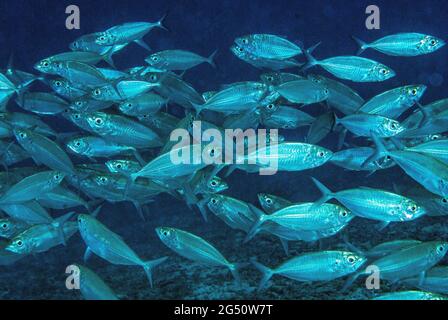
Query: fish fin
[350, 281]
[382, 225]
[362, 45]
[151, 264]
[234, 269]
[421, 278]
[267, 273]
[230, 170]
[262, 217]
[350, 246]
[139, 209]
[397, 143]
[311, 60]
[97, 211]
[108, 58]
[139, 157]
[285, 246]
[211, 57]
[197, 107]
[380, 151]
[59, 225]
[160, 23]
[142, 44]
[326, 194]
[202, 209]
[87, 254]
[425, 115]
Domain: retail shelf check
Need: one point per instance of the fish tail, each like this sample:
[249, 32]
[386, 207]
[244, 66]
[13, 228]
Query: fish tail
[139, 209]
[326, 194]
[197, 107]
[59, 224]
[350, 246]
[362, 45]
[425, 115]
[267, 273]
[151, 264]
[380, 151]
[285, 246]
[143, 44]
[160, 23]
[107, 57]
[139, 157]
[262, 217]
[311, 60]
[350, 281]
[97, 211]
[230, 170]
[202, 209]
[234, 270]
[210, 59]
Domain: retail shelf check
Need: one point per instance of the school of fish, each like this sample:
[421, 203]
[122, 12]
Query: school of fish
[120, 151]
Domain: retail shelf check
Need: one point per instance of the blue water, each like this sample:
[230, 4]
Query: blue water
[32, 30]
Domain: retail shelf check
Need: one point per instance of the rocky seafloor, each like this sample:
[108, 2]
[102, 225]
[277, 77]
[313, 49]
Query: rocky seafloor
[42, 276]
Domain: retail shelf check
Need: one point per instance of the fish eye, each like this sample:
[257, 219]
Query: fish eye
[19, 243]
[119, 166]
[414, 92]
[320, 154]
[45, 63]
[22, 135]
[326, 91]
[394, 125]
[78, 103]
[414, 208]
[56, 177]
[102, 38]
[387, 157]
[129, 105]
[214, 201]
[97, 92]
[214, 183]
[440, 248]
[98, 121]
[245, 41]
[434, 137]
[103, 179]
[58, 83]
[269, 201]
[344, 213]
[384, 71]
[165, 233]
[4, 226]
[433, 42]
[270, 106]
[153, 77]
[154, 58]
[79, 219]
[270, 78]
[77, 116]
[77, 143]
[351, 259]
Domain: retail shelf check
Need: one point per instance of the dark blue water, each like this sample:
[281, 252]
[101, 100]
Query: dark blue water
[32, 30]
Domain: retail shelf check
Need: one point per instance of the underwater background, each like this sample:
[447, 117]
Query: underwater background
[32, 30]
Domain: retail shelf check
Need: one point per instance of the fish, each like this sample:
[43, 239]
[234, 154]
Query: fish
[42, 103]
[403, 44]
[340, 96]
[320, 128]
[110, 246]
[123, 130]
[275, 116]
[128, 32]
[355, 159]
[435, 280]
[365, 125]
[45, 151]
[386, 248]
[121, 90]
[42, 237]
[303, 216]
[195, 248]
[436, 149]
[92, 147]
[92, 287]
[373, 204]
[410, 295]
[303, 91]
[30, 212]
[352, 68]
[427, 171]
[10, 227]
[272, 203]
[61, 198]
[315, 266]
[27, 121]
[144, 104]
[268, 46]
[409, 262]
[395, 102]
[123, 166]
[32, 187]
[182, 60]
[263, 63]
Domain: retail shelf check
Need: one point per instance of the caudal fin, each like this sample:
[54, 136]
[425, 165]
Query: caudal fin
[311, 60]
[59, 225]
[326, 194]
[210, 59]
[380, 151]
[362, 45]
[197, 107]
[261, 216]
[149, 265]
[234, 269]
[266, 272]
[160, 23]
